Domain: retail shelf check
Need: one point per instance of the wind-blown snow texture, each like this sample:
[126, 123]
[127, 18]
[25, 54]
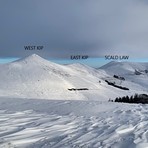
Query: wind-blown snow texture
[42, 123]
[38, 111]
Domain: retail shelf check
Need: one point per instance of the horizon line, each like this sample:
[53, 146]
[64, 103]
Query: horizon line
[92, 61]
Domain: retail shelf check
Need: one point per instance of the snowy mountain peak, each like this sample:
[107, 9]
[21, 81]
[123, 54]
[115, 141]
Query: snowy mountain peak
[124, 67]
[34, 57]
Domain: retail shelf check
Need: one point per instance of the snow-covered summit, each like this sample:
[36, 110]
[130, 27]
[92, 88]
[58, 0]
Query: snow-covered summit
[33, 58]
[115, 67]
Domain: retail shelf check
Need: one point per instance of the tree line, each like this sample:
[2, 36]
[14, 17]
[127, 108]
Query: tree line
[137, 98]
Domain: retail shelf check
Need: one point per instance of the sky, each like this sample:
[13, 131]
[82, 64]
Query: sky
[74, 27]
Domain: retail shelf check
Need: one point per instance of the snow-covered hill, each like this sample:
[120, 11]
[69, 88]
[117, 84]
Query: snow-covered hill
[135, 74]
[122, 68]
[35, 77]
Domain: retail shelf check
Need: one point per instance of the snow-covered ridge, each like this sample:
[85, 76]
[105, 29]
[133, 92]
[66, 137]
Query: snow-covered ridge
[123, 67]
[35, 77]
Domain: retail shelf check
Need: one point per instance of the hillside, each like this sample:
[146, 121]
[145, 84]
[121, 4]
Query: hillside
[136, 74]
[35, 77]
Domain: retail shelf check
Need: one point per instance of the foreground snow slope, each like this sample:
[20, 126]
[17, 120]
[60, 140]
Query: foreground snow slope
[35, 77]
[35, 123]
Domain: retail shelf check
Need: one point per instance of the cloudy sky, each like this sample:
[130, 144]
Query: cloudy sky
[71, 27]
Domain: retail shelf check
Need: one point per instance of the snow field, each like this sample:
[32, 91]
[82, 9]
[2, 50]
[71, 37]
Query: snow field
[67, 124]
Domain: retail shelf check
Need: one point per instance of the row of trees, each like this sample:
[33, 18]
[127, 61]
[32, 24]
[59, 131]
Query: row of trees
[119, 77]
[117, 86]
[137, 98]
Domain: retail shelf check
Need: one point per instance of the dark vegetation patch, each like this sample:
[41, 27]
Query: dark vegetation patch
[119, 77]
[117, 86]
[77, 89]
[140, 72]
[137, 98]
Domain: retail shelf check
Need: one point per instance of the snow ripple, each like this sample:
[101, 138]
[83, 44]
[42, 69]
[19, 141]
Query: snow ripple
[119, 128]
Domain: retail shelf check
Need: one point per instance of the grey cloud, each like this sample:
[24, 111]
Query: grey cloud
[65, 27]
